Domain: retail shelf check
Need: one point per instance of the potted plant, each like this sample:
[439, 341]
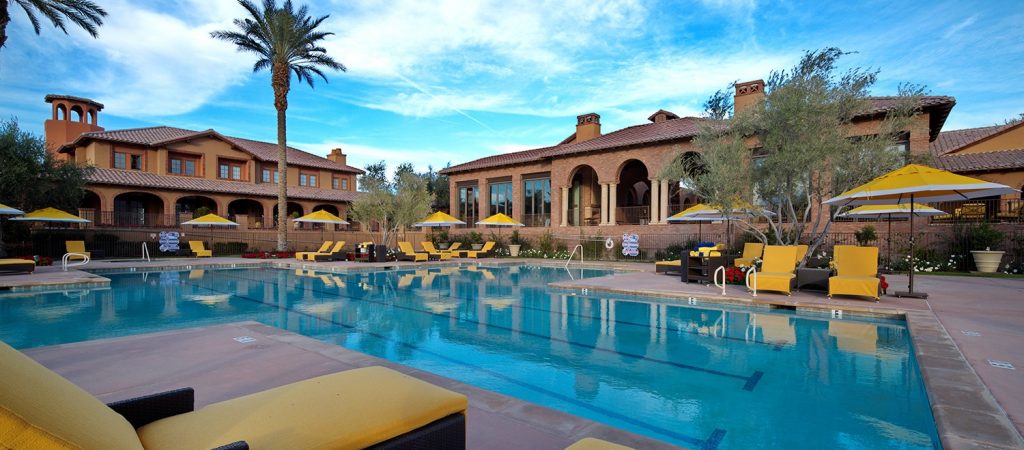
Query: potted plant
[294, 215]
[865, 235]
[475, 240]
[984, 237]
[515, 243]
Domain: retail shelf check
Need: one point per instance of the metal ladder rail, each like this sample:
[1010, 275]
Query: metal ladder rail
[567, 261]
[145, 252]
[64, 263]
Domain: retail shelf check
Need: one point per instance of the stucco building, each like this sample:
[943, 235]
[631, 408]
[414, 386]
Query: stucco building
[158, 176]
[593, 179]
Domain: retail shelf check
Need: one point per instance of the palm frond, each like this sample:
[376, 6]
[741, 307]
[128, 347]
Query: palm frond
[86, 14]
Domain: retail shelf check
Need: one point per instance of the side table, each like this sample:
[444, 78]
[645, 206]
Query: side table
[812, 279]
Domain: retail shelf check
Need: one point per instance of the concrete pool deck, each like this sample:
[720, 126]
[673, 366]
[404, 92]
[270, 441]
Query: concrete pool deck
[218, 367]
[962, 334]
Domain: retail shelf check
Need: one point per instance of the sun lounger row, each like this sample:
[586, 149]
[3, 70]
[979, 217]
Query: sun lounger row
[431, 253]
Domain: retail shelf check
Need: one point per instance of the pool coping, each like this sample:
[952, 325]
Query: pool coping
[965, 412]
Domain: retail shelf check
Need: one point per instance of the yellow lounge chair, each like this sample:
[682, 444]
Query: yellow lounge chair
[708, 251]
[668, 266]
[454, 249]
[323, 248]
[484, 251]
[41, 409]
[17, 266]
[334, 254]
[199, 249]
[801, 251]
[76, 247]
[408, 253]
[751, 251]
[777, 269]
[856, 272]
[596, 444]
[433, 251]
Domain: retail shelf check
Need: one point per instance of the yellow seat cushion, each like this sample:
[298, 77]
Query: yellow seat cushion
[858, 285]
[751, 251]
[39, 409]
[675, 263]
[596, 444]
[16, 262]
[346, 410]
[856, 269]
[775, 281]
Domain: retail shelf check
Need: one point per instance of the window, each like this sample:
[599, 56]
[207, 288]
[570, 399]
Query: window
[136, 162]
[312, 180]
[265, 176]
[334, 182]
[303, 179]
[126, 160]
[501, 198]
[307, 179]
[344, 184]
[120, 160]
[182, 165]
[176, 166]
[537, 202]
[467, 208]
[190, 167]
[230, 170]
[267, 173]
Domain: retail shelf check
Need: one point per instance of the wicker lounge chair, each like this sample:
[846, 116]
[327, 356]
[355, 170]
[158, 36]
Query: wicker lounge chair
[856, 272]
[76, 247]
[778, 269]
[371, 407]
[484, 251]
[199, 249]
[711, 250]
[751, 251]
[433, 251]
[668, 267]
[596, 444]
[11, 266]
[408, 253]
[323, 248]
[334, 255]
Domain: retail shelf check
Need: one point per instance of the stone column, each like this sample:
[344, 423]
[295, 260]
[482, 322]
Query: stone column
[655, 194]
[613, 203]
[604, 204]
[565, 206]
[664, 201]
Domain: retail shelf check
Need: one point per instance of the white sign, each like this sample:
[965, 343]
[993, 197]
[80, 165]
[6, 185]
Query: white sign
[630, 244]
[169, 241]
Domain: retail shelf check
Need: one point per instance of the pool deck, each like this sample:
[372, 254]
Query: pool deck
[961, 334]
[218, 367]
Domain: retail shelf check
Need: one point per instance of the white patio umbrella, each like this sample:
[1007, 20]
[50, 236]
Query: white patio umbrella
[887, 212]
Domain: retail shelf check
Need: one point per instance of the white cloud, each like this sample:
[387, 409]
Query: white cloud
[953, 30]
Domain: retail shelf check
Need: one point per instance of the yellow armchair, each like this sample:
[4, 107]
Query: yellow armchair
[751, 251]
[199, 248]
[778, 269]
[856, 272]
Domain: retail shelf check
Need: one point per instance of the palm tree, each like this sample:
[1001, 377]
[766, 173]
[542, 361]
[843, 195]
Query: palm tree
[83, 13]
[285, 40]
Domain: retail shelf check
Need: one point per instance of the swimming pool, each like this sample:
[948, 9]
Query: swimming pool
[701, 377]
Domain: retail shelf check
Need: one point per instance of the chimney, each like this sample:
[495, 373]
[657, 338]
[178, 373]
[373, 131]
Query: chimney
[337, 156]
[661, 115]
[747, 94]
[588, 126]
[71, 116]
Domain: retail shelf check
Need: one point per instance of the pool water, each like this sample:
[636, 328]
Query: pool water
[699, 376]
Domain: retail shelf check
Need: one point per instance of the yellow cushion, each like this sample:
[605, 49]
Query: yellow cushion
[774, 281]
[743, 262]
[675, 263]
[346, 410]
[779, 258]
[40, 409]
[596, 444]
[859, 285]
[16, 262]
[856, 261]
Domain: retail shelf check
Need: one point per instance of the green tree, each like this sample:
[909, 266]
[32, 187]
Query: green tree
[84, 13]
[31, 178]
[286, 41]
[437, 184]
[392, 204]
[796, 148]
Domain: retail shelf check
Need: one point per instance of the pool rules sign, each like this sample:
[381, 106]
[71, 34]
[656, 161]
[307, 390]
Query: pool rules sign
[169, 241]
[630, 244]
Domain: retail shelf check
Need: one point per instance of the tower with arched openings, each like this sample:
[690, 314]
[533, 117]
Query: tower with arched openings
[71, 116]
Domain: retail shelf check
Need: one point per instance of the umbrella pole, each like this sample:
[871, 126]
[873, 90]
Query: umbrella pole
[888, 243]
[910, 285]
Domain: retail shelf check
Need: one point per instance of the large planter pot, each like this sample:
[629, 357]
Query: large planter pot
[513, 250]
[380, 253]
[477, 246]
[987, 261]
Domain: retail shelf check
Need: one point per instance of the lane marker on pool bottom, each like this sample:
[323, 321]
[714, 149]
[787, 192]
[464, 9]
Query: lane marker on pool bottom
[711, 443]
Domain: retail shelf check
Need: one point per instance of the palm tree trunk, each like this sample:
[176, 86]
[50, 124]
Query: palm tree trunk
[279, 81]
[5, 18]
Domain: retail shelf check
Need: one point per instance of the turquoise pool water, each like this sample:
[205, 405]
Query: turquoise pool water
[700, 377]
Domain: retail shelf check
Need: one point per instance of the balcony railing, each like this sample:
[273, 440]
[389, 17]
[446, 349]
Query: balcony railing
[994, 210]
[633, 215]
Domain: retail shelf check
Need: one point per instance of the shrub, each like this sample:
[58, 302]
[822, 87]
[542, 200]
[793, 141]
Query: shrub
[517, 239]
[230, 248]
[441, 237]
[985, 236]
[865, 235]
[674, 251]
[471, 238]
[200, 212]
[546, 243]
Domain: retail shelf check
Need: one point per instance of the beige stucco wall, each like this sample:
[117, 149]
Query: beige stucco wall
[1012, 138]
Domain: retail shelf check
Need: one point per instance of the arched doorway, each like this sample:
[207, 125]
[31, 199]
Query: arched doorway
[137, 209]
[252, 210]
[633, 194]
[91, 207]
[186, 207]
[294, 210]
[584, 197]
[679, 198]
[329, 208]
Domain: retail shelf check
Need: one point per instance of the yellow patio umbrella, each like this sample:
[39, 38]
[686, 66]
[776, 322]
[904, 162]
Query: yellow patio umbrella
[916, 183]
[51, 215]
[7, 210]
[699, 213]
[211, 220]
[500, 220]
[887, 212]
[322, 217]
[438, 219]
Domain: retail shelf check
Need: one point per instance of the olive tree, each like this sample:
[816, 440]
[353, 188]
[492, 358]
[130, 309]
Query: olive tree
[392, 204]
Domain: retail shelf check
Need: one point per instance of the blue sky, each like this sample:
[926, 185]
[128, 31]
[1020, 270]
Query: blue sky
[432, 82]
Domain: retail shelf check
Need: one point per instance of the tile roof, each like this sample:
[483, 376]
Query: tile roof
[976, 162]
[953, 140]
[161, 135]
[136, 178]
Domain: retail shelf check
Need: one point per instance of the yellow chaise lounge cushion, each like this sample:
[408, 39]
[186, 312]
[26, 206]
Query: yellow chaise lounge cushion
[596, 444]
[346, 410]
[674, 263]
[39, 409]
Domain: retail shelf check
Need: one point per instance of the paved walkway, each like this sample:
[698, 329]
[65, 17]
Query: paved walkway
[219, 368]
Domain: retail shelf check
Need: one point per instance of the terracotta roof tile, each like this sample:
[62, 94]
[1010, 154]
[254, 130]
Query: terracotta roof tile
[667, 131]
[950, 141]
[975, 162]
[262, 151]
[137, 178]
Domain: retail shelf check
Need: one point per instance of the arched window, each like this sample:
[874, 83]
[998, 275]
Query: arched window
[62, 112]
[76, 114]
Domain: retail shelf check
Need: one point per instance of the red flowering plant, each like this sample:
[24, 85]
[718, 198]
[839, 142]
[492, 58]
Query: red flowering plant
[734, 275]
